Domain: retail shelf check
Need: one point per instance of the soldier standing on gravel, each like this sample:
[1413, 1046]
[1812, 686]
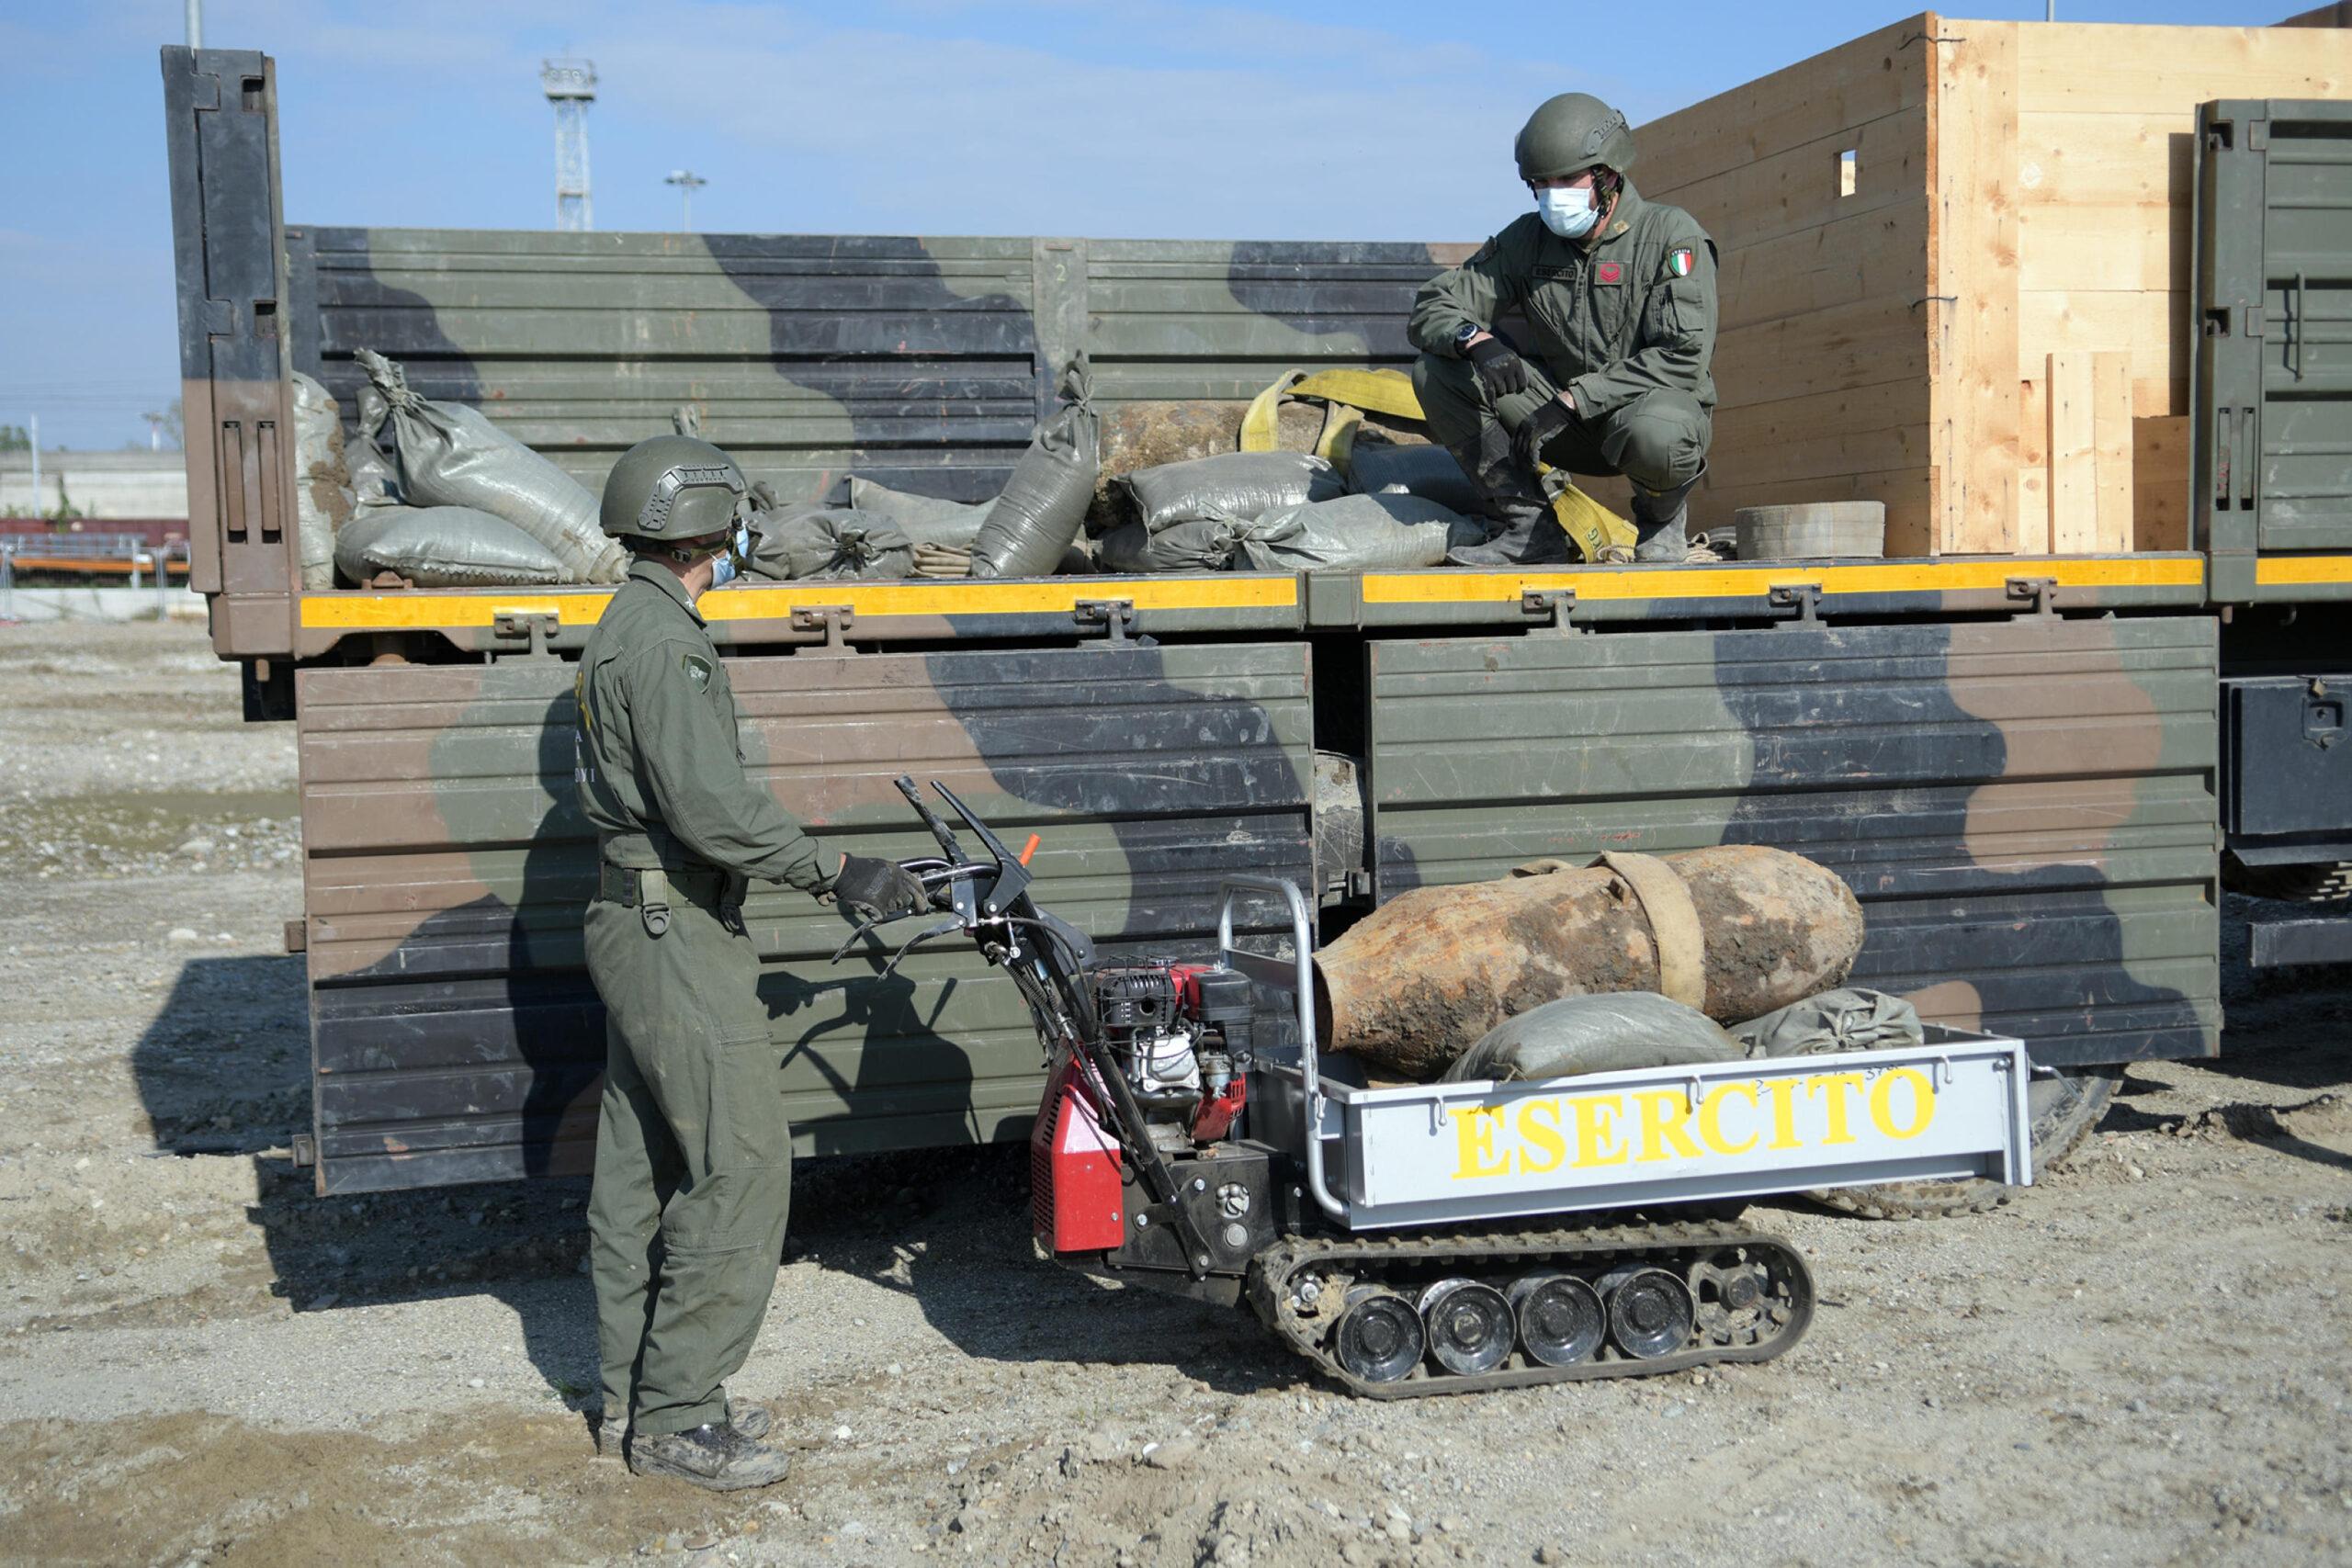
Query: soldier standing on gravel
[1619, 294]
[693, 1155]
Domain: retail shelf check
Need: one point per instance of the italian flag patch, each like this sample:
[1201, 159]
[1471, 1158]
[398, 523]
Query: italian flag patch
[1678, 263]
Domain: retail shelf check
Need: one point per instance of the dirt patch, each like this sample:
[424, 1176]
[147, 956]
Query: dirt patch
[199, 1360]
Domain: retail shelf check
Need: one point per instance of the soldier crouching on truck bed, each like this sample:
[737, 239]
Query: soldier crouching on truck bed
[1619, 294]
[694, 1153]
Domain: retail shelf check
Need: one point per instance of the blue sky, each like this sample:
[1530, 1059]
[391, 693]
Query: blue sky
[1379, 120]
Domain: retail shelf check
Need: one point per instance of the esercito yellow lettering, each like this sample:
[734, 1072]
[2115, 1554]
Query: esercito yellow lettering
[1544, 1148]
[1662, 1113]
[1711, 1119]
[1923, 1103]
[1473, 1131]
[1833, 1088]
[1596, 1139]
[1783, 1092]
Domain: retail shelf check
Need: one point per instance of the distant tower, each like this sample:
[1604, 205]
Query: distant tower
[571, 86]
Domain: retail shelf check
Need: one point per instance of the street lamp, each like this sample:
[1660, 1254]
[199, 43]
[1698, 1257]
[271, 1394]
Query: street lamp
[687, 182]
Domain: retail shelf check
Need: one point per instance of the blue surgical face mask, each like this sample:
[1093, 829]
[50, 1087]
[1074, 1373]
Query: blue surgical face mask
[1567, 210]
[723, 567]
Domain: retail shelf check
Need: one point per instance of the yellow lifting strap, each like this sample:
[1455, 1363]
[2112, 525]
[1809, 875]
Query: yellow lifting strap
[1347, 395]
[1590, 526]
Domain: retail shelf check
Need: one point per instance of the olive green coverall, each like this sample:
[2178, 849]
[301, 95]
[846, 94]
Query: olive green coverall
[1623, 319]
[693, 1152]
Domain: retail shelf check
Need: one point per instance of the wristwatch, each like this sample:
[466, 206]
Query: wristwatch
[1464, 333]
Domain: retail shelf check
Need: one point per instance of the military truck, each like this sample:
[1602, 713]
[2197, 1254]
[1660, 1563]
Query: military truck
[2025, 756]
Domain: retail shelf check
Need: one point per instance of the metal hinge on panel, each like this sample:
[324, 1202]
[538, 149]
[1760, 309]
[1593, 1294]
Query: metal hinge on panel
[535, 631]
[1549, 609]
[1803, 597]
[1115, 618]
[2034, 595]
[833, 620]
[306, 1151]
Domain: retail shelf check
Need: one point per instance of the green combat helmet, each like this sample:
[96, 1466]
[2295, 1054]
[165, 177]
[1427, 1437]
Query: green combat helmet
[671, 487]
[1571, 133]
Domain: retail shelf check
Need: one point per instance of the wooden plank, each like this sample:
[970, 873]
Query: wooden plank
[1867, 79]
[1852, 345]
[2144, 159]
[1973, 249]
[2074, 457]
[2100, 247]
[2111, 435]
[2151, 326]
[2125, 69]
[2160, 484]
[1864, 257]
[1797, 188]
[1853, 430]
[2033, 468]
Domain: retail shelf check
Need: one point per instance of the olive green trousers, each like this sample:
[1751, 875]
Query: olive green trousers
[693, 1159]
[1659, 440]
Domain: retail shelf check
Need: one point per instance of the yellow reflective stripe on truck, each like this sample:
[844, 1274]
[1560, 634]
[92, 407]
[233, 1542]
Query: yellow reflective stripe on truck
[1754, 581]
[2295, 571]
[406, 610]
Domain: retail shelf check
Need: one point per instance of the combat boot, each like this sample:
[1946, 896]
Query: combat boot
[1520, 532]
[749, 1421]
[1662, 520]
[715, 1456]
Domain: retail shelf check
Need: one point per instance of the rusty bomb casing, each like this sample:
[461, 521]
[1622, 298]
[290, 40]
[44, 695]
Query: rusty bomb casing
[1419, 981]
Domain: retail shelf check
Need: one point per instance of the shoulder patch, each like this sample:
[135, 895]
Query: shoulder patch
[1679, 261]
[697, 670]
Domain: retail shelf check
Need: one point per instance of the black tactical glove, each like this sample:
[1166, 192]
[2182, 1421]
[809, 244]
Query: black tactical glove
[1535, 432]
[1500, 369]
[872, 889]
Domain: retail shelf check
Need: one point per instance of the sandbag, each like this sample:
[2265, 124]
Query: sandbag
[1231, 484]
[1425, 976]
[442, 547]
[452, 456]
[1595, 1034]
[1358, 533]
[1035, 520]
[829, 543]
[322, 482]
[373, 483]
[1850, 1019]
[1387, 467]
[924, 519]
[1204, 545]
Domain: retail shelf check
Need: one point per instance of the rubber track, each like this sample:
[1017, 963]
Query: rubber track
[1272, 1268]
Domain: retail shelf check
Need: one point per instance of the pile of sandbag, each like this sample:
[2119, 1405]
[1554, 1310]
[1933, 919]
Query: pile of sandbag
[455, 504]
[1395, 507]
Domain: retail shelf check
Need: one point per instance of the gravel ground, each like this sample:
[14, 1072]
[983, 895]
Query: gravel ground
[2140, 1360]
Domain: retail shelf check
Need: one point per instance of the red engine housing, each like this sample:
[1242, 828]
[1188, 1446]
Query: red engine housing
[1074, 1170]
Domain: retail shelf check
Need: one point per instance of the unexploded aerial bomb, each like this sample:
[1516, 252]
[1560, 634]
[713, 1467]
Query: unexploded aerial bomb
[1418, 982]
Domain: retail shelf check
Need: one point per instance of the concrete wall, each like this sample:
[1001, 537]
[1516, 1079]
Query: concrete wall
[144, 603]
[100, 484]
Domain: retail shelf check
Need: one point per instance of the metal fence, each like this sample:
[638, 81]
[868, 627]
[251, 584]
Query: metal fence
[130, 555]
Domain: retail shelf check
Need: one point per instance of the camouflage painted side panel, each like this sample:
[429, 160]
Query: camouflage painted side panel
[2024, 807]
[456, 1035]
[911, 360]
[922, 362]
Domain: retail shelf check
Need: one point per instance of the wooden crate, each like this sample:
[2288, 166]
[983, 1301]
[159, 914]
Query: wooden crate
[1955, 272]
